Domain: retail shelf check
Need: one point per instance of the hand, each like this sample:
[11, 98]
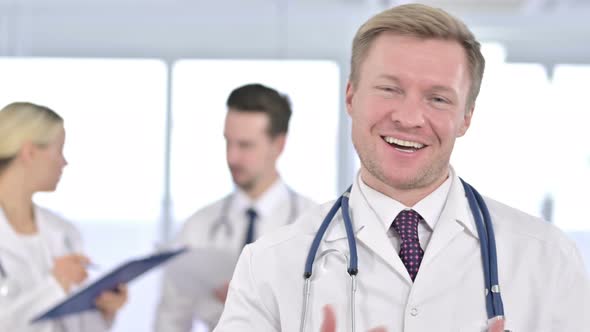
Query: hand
[109, 302]
[221, 292]
[70, 270]
[496, 326]
[329, 323]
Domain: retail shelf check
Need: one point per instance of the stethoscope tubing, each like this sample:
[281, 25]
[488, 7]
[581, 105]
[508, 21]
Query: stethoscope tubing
[2, 271]
[223, 219]
[483, 223]
[489, 255]
[342, 204]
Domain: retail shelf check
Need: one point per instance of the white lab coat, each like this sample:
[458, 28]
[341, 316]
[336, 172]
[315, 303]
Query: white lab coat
[37, 289]
[544, 284]
[177, 310]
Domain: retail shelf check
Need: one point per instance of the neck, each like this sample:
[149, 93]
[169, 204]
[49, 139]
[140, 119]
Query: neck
[407, 196]
[17, 204]
[262, 186]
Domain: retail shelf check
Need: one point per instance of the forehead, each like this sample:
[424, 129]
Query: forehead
[241, 124]
[406, 57]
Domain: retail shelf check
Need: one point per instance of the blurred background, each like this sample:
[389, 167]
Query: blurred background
[142, 87]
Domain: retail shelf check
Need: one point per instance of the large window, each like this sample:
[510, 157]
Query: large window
[114, 112]
[568, 147]
[504, 153]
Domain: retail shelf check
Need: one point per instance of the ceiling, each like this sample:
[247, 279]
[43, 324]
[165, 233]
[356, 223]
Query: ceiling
[496, 6]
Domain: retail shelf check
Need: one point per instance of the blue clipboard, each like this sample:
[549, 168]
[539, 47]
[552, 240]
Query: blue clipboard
[84, 299]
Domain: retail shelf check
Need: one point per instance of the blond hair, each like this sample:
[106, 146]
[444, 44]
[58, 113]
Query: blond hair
[23, 122]
[420, 21]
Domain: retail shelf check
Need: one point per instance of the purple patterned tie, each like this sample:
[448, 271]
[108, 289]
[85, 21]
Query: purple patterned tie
[406, 225]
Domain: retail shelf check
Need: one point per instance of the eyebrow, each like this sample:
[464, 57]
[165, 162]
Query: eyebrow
[389, 77]
[441, 87]
[435, 88]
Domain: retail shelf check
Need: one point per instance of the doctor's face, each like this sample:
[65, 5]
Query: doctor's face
[49, 162]
[407, 107]
[251, 152]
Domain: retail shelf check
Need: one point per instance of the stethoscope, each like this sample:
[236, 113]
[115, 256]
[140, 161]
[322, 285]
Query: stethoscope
[483, 223]
[6, 288]
[223, 219]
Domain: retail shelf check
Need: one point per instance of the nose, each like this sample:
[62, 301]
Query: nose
[408, 112]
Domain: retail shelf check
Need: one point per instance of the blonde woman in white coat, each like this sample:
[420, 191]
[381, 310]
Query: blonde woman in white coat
[41, 258]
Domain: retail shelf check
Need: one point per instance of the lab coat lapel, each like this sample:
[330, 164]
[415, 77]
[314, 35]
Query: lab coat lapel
[451, 222]
[9, 240]
[52, 234]
[372, 235]
[369, 233]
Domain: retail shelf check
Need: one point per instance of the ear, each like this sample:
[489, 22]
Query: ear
[466, 121]
[279, 142]
[349, 96]
[27, 152]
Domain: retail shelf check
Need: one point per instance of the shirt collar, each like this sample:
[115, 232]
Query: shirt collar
[266, 203]
[387, 208]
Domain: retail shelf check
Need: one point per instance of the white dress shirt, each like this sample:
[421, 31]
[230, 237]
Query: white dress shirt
[387, 208]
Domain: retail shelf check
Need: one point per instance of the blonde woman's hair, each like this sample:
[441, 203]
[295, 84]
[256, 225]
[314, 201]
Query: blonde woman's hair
[420, 21]
[23, 122]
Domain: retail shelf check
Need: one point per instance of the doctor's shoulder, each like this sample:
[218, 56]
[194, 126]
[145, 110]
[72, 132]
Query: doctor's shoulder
[202, 218]
[521, 227]
[57, 221]
[301, 231]
[305, 203]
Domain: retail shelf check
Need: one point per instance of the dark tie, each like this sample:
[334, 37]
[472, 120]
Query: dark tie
[250, 233]
[406, 225]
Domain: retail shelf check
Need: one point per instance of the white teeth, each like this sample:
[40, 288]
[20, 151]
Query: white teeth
[409, 144]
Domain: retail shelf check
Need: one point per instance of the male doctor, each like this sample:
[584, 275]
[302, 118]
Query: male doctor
[255, 131]
[415, 76]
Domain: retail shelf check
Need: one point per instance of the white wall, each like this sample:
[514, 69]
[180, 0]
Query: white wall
[255, 28]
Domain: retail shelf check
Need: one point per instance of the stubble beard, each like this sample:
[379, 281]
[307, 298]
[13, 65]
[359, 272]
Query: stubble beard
[423, 178]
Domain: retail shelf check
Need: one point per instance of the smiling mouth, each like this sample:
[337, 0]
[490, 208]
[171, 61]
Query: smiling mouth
[402, 145]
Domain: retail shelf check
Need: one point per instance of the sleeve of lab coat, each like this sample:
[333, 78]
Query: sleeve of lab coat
[246, 309]
[88, 321]
[175, 312]
[572, 296]
[93, 321]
